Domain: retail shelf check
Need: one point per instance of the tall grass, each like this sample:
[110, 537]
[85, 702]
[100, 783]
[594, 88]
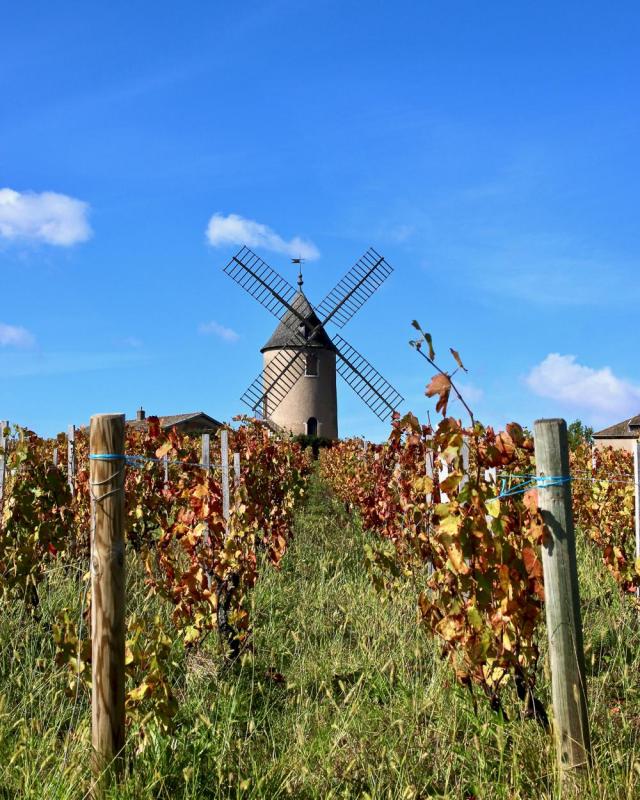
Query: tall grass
[343, 696]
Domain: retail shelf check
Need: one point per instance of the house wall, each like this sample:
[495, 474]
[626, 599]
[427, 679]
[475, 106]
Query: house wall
[309, 397]
[617, 444]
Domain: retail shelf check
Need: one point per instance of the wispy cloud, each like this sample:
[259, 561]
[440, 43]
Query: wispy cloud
[234, 229]
[216, 329]
[48, 217]
[469, 391]
[15, 336]
[562, 378]
[401, 233]
[133, 342]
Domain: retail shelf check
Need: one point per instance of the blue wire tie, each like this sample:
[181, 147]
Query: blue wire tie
[537, 481]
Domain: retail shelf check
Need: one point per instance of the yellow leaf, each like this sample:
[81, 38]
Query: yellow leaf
[493, 507]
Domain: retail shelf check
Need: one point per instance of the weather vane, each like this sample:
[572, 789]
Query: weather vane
[299, 262]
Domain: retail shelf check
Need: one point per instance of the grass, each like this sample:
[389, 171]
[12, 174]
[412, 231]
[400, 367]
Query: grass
[345, 696]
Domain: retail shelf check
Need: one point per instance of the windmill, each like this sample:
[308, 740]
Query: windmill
[301, 349]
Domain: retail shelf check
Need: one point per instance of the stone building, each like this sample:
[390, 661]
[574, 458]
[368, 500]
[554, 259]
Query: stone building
[310, 405]
[621, 436]
[194, 423]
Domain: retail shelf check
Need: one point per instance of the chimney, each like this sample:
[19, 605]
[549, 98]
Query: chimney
[140, 413]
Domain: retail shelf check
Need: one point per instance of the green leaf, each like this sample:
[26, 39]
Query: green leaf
[429, 341]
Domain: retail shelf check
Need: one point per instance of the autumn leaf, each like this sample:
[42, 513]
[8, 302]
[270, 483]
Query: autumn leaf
[456, 355]
[532, 563]
[440, 385]
[530, 500]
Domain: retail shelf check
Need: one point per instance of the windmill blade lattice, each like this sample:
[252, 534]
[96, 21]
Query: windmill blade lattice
[366, 381]
[262, 282]
[357, 286]
[273, 384]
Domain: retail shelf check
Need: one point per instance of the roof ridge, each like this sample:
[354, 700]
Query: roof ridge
[620, 430]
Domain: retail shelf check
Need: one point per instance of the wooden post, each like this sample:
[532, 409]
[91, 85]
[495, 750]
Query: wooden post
[224, 458]
[55, 456]
[636, 478]
[465, 462]
[4, 444]
[71, 458]
[428, 470]
[107, 597]
[443, 473]
[236, 469]
[165, 462]
[491, 474]
[205, 451]
[205, 461]
[562, 598]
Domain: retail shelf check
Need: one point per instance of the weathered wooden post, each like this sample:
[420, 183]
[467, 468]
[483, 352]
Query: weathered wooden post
[465, 462]
[71, 458]
[429, 472]
[107, 472]
[562, 598]
[428, 468]
[205, 463]
[4, 444]
[55, 456]
[236, 469]
[636, 478]
[205, 451]
[224, 458]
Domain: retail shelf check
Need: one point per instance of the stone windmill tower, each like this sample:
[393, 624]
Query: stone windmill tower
[296, 388]
[311, 404]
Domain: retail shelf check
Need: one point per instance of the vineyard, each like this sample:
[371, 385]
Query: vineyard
[263, 663]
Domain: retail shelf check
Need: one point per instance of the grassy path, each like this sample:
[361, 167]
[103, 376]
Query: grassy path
[343, 697]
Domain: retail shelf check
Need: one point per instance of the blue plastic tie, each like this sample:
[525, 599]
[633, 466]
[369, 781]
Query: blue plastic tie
[534, 481]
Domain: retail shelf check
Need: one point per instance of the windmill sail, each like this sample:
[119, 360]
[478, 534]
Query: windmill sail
[366, 381]
[273, 384]
[264, 284]
[357, 286]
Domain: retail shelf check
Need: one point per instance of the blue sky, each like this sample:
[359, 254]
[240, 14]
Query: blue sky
[489, 151]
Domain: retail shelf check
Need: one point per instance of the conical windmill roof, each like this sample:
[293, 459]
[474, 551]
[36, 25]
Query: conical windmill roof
[284, 336]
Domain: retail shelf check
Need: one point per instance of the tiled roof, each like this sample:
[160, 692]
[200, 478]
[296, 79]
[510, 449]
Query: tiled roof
[176, 419]
[627, 429]
[284, 335]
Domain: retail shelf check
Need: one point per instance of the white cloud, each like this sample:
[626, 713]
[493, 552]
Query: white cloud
[561, 378]
[15, 336]
[133, 342]
[46, 217]
[402, 233]
[213, 327]
[469, 391]
[234, 229]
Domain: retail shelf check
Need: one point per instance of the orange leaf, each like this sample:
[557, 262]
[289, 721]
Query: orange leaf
[440, 385]
[532, 563]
